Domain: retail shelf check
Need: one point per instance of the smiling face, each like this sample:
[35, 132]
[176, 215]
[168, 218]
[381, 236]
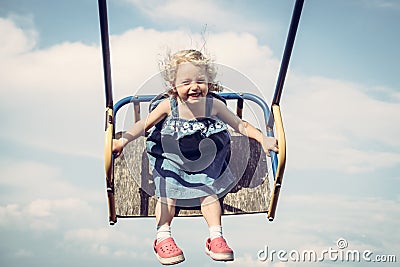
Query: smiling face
[191, 82]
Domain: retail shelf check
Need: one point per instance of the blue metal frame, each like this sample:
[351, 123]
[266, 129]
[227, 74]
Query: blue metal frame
[228, 96]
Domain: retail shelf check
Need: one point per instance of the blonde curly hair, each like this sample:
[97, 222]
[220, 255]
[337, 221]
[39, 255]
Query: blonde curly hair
[169, 67]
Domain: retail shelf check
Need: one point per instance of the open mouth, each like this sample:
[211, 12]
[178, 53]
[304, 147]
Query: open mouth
[194, 95]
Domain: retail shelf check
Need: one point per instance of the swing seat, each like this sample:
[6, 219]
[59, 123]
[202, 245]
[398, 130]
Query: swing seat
[131, 188]
[134, 187]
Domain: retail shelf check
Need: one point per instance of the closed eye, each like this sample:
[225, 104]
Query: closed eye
[185, 82]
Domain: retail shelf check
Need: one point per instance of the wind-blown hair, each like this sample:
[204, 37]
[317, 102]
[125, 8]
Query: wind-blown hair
[169, 67]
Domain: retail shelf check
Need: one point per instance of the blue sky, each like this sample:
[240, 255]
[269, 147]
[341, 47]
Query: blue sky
[341, 108]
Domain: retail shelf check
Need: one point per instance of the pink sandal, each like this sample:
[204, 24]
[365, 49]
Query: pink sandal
[218, 249]
[168, 252]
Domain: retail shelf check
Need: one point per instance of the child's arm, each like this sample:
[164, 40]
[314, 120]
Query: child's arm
[141, 126]
[245, 128]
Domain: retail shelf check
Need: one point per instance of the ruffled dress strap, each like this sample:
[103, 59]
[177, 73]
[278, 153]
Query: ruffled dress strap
[209, 105]
[174, 107]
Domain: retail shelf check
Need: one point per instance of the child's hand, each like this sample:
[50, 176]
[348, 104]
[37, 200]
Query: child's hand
[270, 144]
[118, 146]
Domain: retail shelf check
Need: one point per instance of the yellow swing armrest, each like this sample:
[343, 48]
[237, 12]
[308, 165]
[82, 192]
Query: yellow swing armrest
[281, 161]
[108, 144]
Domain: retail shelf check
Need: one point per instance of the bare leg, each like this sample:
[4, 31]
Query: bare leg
[167, 251]
[211, 210]
[216, 246]
[165, 211]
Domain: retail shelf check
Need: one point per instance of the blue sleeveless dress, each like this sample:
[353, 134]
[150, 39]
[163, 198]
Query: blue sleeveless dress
[190, 158]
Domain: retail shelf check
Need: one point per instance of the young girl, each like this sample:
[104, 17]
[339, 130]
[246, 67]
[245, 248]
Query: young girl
[189, 149]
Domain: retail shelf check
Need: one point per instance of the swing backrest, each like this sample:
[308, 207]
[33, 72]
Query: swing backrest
[134, 187]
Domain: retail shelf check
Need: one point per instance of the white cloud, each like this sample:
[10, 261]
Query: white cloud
[26, 173]
[17, 40]
[392, 4]
[339, 126]
[51, 94]
[108, 241]
[43, 215]
[92, 235]
[364, 222]
[22, 253]
[30, 179]
[203, 13]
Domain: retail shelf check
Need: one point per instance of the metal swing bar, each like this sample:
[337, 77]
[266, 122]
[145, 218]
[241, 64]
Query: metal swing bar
[109, 127]
[275, 115]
